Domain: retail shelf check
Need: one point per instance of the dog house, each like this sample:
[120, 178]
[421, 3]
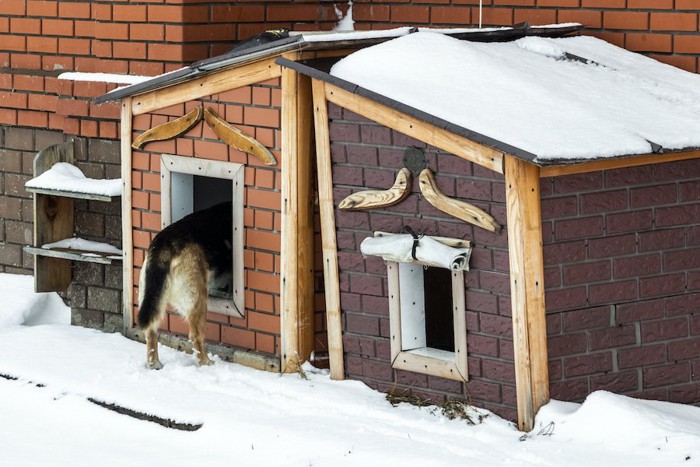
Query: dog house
[585, 154]
[237, 127]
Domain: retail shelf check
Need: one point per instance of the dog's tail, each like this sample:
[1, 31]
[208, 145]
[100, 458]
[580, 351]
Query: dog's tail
[153, 278]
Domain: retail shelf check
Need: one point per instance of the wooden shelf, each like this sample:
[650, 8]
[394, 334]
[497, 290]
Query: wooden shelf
[74, 255]
[54, 220]
[72, 194]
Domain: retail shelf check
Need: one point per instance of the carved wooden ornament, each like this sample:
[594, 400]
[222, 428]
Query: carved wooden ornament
[171, 129]
[459, 209]
[235, 138]
[372, 199]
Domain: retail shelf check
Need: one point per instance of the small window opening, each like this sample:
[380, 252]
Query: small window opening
[439, 321]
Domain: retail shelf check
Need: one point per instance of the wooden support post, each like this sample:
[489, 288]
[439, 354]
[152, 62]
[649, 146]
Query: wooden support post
[297, 288]
[527, 288]
[127, 221]
[328, 239]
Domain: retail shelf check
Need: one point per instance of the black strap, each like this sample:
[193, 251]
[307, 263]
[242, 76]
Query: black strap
[415, 241]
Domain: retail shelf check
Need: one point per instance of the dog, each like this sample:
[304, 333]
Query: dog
[184, 261]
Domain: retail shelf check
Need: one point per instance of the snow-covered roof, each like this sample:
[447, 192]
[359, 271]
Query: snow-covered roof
[318, 40]
[544, 99]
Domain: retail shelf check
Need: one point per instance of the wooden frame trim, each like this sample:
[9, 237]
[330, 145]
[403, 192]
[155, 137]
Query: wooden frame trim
[411, 126]
[297, 245]
[328, 239]
[127, 219]
[216, 169]
[527, 288]
[617, 163]
[455, 367]
[206, 85]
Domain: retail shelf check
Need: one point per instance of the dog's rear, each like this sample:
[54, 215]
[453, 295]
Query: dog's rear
[180, 263]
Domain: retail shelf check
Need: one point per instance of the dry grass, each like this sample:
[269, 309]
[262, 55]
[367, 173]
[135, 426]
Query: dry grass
[452, 408]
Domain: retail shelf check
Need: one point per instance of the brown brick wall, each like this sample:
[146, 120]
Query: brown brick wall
[369, 155]
[668, 30]
[256, 111]
[622, 262]
[622, 272]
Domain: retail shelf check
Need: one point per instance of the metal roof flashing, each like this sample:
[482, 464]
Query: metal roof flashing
[320, 40]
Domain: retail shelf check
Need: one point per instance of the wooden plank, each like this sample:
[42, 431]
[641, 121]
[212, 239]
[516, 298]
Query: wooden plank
[206, 85]
[127, 220]
[74, 255]
[411, 126]
[374, 199]
[328, 239]
[616, 163]
[456, 208]
[527, 288]
[297, 291]
[53, 221]
[305, 217]
[72, 194]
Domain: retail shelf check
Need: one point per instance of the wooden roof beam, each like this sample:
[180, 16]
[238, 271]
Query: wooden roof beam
[416, 128]
[213, 83]
[617, 163]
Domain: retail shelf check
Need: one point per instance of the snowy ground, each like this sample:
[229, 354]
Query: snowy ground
[254, 418]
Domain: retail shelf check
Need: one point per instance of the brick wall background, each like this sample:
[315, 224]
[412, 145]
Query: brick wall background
[664, 29]
[39, 40]
[369, 155]
[622, 274]
[95, 293]
[622, 268]
[256, 111]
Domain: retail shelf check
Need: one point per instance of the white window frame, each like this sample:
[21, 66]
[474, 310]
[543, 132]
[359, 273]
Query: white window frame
[407, 324]
[174, 192]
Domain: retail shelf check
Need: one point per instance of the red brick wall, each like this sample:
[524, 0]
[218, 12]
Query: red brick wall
[664, 29]
[41, 38]
[622, 274]
[256, 111]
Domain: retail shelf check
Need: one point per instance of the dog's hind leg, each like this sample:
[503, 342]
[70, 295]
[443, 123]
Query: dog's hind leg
[152, 360]
[190, 278]
[197, 321]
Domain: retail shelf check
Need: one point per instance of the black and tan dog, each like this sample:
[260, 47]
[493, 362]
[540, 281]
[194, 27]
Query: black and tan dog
[184, 261]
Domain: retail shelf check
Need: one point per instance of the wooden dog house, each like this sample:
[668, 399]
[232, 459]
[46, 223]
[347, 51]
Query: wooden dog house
[279, 94]
[242, 117]
[370, 103]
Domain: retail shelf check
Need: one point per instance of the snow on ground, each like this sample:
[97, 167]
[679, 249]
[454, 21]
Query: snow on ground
[255, 418]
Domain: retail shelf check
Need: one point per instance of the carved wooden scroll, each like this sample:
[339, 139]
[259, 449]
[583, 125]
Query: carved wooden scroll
[372, 199]
[459, 209]
[172, 129]
[236, 138]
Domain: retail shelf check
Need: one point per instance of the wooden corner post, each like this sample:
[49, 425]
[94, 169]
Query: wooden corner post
[297, 288]
[328, 239]
[127, 220]
[527, 288]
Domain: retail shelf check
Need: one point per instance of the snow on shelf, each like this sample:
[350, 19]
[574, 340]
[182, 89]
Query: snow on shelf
[79, 249]
[64, 179]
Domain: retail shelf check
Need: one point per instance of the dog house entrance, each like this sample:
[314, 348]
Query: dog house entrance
[189, 185]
